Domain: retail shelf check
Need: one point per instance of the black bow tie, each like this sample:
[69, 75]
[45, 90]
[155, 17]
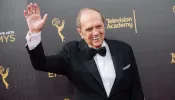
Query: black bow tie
[101, 51]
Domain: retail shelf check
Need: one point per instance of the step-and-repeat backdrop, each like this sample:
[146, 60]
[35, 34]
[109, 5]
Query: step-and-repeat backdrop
[147, 25]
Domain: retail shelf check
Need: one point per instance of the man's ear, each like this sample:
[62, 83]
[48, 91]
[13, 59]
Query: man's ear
[79, 31]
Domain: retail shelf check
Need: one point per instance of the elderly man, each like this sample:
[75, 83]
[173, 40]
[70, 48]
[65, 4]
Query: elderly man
[100, 69]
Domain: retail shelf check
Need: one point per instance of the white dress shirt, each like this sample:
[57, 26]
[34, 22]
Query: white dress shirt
[33, 39]
[104, 64]
[106, 69]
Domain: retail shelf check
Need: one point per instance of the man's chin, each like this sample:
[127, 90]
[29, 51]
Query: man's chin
[97, 45]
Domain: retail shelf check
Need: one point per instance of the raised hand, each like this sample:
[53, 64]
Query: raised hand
[33, 17]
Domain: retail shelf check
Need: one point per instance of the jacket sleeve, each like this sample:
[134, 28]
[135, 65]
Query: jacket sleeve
[136, 87]
[58, 64]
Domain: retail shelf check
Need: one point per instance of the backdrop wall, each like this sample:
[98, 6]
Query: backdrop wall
[147, 25]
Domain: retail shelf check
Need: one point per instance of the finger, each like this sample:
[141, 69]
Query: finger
[37, 10]
[25, 14]
[44, 19]
[32, 8]
[29, 10]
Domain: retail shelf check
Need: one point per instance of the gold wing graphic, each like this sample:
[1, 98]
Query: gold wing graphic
[6, 73]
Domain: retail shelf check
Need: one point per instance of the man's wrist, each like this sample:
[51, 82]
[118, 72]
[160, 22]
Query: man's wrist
[32, 33]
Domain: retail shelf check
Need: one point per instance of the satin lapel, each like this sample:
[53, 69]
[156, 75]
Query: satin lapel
[117, 61]
[91, 67]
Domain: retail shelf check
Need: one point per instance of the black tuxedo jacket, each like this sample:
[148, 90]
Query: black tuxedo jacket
[73, 62]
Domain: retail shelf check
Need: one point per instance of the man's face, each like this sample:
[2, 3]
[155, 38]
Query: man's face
[92, 28]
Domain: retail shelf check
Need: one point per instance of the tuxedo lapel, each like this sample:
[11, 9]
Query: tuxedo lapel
[92, 68]
[91, 65]
[117, 61]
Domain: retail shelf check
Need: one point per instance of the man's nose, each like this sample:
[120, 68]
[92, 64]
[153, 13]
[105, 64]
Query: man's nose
[95, 32]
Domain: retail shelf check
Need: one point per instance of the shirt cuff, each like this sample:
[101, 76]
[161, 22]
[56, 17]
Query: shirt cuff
[33, 39]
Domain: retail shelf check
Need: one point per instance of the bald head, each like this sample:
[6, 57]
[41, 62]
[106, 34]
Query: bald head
[84, 12]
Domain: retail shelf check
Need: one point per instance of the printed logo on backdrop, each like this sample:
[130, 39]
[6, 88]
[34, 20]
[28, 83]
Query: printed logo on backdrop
[57, 24]
[66, 99]
[174, 9]
[51, 75]
[8, 36]
[172, 57]
[122, 22]
[4, 73]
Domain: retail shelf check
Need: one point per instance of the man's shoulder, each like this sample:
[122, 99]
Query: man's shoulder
[119, 43]
[72, 44]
